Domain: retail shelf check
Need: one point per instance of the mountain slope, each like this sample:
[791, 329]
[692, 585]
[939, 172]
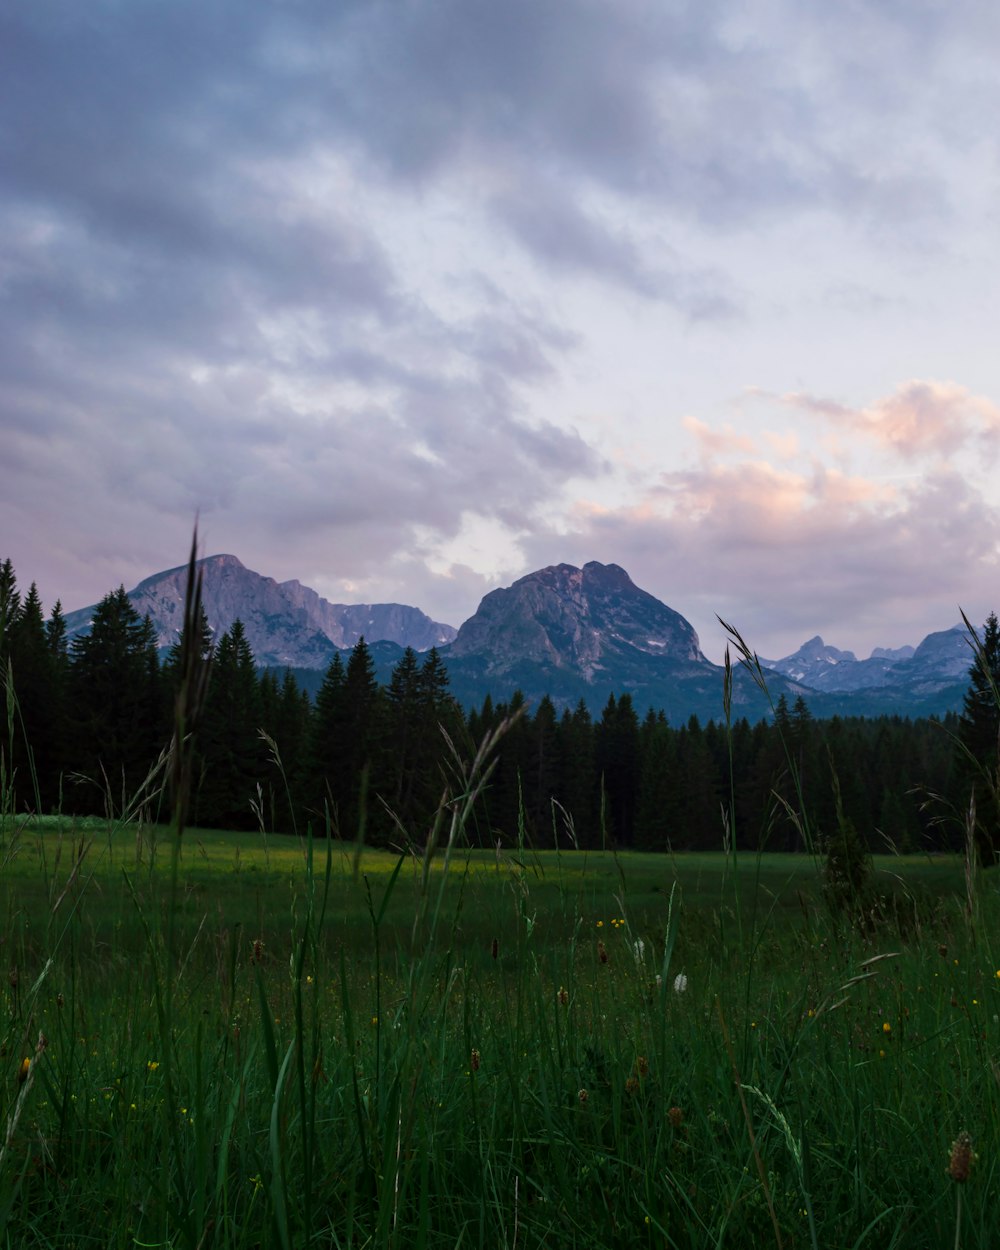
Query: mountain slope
[586, 634]
[938, 666]
[286, 623]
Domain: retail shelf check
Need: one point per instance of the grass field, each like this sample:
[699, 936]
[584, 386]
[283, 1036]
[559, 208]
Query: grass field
[261, 1042]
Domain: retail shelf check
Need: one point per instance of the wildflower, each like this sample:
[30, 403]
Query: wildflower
[886, 1027]
[600, 924]
[881, 1054]
[602, 953]
[309, 980]
[474, 1060]
[23, 1070]
[374, 1019]
[152, 1065]
[962, 1158]
[582, 1095]
[680, 983]
[563, 996]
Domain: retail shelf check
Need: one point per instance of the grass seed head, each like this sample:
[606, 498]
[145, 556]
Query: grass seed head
[962, 1158]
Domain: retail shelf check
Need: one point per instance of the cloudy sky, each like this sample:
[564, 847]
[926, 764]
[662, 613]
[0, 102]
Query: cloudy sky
[407, 299]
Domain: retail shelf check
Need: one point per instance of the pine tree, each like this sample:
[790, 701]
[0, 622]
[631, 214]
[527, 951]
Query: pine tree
[34, 679]
[617, 761]
[230, 747]
[321, 787]
[979, 735]
[112, 668]
[577, 775]
[657, 817]
[541, 778]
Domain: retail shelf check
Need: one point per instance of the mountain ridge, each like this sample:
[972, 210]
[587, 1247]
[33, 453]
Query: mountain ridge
[286, 623]
[567, 632]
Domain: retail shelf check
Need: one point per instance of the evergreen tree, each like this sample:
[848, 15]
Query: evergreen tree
[364, 757]
[34, 681]
[505, 797]
[230, 748]
[10, 603]
[541, 776]
[578, 785]
[323, 774]
[290, 733]
[112, 669]
[980, 739]
[657, 818]
[699, 820]
[617, 761]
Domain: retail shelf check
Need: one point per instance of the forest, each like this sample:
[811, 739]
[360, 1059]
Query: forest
[85, 725]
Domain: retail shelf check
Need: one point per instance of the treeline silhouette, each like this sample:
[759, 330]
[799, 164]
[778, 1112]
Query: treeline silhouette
[84, 723]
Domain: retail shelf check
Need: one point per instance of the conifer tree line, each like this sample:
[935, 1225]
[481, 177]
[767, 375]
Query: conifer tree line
[83, 723]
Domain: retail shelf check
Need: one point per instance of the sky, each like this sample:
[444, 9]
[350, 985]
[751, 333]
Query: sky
[408, 299]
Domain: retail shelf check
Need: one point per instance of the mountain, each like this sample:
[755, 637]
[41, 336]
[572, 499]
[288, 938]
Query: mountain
[286, 623]
[586, 634]
[936, 672]
[571, 633]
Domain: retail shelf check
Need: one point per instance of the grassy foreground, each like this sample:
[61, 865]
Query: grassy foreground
[271, 1043]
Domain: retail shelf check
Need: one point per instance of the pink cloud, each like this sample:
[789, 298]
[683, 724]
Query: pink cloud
[920, 418]
[785, 555]
[713, 443]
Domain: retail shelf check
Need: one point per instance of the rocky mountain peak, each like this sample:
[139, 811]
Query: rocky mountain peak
[286, 623]
[566, 617]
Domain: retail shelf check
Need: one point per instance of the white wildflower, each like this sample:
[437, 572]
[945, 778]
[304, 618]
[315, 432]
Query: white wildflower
[680, 983]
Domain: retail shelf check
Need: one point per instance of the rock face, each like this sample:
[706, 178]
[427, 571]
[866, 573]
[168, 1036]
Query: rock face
[571, 633]
[588, 620]
[937, 665]
[587, 634]
[813, 663]
[286, 623]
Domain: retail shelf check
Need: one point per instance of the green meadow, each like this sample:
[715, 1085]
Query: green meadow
[235, 1040]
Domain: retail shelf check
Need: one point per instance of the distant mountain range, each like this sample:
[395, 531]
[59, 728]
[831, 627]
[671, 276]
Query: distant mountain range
[286, 623]
[567, 632]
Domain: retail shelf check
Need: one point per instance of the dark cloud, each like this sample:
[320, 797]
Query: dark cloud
[201, 309]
